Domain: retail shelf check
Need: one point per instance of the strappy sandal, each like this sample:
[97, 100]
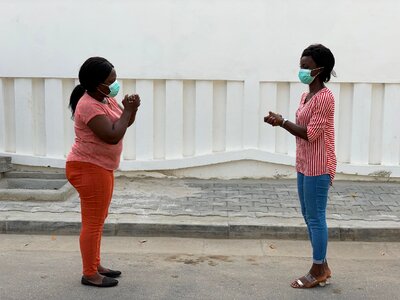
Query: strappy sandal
[308, 281]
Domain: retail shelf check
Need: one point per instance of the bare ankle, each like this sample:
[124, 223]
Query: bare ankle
[317, 270]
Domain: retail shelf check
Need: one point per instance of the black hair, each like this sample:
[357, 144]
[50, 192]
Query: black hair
[94, 71]
[323, 57]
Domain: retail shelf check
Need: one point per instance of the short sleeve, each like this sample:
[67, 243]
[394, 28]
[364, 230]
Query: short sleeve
[87, 110]
[323, 109]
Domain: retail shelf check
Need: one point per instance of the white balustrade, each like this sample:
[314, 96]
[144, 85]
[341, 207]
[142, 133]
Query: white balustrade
[187, 123]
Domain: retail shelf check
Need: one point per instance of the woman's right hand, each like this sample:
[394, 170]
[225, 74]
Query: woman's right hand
[131, 102]
[273, 119]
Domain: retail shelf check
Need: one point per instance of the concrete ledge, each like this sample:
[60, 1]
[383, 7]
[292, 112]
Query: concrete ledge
[19, 194]
[34, 174]
[221, 231]
[173, 230]
[370, 234]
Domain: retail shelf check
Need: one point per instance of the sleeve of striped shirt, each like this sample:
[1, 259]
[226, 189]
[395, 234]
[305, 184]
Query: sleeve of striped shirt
[324, 108]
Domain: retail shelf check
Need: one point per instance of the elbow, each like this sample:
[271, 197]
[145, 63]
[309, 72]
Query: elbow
[310, 139]
[310, 136]
[112, 140]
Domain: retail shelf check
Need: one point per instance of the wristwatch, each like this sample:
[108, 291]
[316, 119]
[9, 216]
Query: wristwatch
[284, 121]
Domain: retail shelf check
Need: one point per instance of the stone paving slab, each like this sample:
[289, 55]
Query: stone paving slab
[218, 208]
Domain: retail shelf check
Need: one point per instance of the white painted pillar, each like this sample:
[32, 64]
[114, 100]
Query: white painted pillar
[68, 86]
[361, 118]
[39, 117]
[9, 115]
[23, 116]
[145, 125]
[174, 119]
[282, 107]
[2, 118]
[159, 116]
[54, 117]
[129, 149]
[251, 122]
[189, 118]
[204, 116]
[296, 90]
[234, 115]
[219, 116]
[391, 131]
[268, 94]
[345, 123]
[376, 126]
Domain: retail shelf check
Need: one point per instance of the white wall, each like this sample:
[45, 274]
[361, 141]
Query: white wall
[207, 71]
[199, 39]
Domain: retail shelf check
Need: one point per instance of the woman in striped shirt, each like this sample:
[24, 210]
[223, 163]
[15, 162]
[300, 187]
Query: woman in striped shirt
[315, 154]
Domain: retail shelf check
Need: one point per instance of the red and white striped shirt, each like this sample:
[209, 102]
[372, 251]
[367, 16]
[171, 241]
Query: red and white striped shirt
[317, 155]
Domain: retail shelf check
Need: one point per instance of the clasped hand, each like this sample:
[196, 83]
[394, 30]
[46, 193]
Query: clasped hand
[273, 119]
[131, 102]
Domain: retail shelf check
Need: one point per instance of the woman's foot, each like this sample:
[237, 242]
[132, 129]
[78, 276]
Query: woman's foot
[316, 276]
[328, 271]
[108, 272]
[98, 281]
[96, 278]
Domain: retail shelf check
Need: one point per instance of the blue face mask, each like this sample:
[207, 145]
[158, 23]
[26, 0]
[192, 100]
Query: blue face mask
[114, 89]
[305, 75]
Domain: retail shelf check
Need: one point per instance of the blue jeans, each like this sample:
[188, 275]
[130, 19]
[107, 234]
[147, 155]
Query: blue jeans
[313, 194]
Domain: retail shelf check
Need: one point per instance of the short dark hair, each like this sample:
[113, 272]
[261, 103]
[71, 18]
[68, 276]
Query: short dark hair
[94, 71]
[323, 57]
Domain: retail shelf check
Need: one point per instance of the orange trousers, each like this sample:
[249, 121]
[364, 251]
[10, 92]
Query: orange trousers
[95, 186]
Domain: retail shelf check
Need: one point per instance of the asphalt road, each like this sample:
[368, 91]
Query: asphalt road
[48, 267]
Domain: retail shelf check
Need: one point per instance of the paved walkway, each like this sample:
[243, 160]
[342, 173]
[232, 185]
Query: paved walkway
[219, 208]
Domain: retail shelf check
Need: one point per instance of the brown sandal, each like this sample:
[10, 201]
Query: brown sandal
[309, 281]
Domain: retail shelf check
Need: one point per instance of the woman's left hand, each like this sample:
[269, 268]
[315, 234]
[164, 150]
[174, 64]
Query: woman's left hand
[274, 119]
[131, 102]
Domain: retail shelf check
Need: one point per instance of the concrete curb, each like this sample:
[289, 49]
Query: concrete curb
[220, 230]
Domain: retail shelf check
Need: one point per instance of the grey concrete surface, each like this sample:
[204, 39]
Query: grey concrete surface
[363, 211]
[5, 164]
[49, 267]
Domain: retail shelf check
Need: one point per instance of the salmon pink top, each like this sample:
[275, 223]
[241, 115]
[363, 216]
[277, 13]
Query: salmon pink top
[87, 146]
[317, 155]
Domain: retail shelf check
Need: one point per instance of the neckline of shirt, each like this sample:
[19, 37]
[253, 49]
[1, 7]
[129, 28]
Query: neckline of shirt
[304, 103]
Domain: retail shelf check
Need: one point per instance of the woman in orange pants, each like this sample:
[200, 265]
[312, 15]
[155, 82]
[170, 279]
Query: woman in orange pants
[100, 124]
